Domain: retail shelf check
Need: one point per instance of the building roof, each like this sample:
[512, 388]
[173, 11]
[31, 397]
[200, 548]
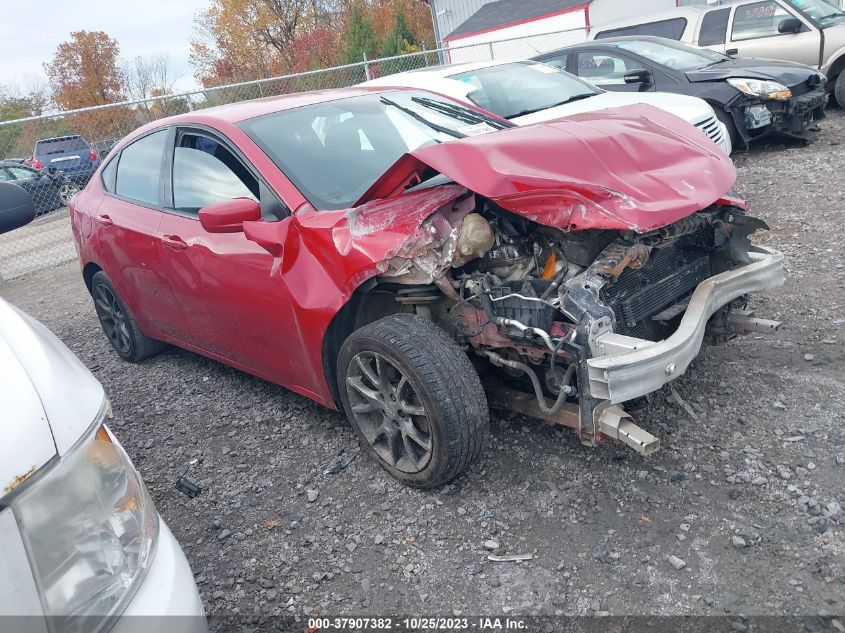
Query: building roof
[505, 12]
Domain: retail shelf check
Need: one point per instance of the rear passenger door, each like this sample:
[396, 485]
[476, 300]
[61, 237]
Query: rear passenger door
[754, 33]
[607, 70]
[126, 232]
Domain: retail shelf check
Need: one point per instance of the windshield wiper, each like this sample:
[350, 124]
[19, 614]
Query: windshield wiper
[418, 117]
[830, 16]
[585, 95]
[459, 112]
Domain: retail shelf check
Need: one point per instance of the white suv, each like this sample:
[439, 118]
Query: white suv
[82, 544]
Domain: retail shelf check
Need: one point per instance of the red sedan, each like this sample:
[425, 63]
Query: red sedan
[381, 251]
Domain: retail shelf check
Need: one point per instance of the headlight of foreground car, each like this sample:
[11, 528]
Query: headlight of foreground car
[90, 530]
[762, 88]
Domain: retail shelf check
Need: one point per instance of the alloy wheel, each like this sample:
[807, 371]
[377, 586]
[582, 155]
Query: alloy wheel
[388, 412]
[112, 318]
[66, 192]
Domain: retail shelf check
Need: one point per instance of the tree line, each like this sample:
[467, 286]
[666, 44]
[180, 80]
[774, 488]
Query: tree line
[240, 40]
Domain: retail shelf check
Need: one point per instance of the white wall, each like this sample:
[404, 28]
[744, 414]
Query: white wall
[535, 34]
[602, 11]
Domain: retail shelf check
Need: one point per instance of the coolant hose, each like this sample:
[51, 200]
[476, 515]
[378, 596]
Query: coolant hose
[538, 389]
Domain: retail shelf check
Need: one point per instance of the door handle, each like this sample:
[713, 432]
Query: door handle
[174, 242]
[104, 220]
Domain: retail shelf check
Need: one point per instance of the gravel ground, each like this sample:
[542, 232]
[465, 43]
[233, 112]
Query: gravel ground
[739, 513]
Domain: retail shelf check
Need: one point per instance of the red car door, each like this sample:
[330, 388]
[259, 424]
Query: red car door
[235, 310]
[126, 225]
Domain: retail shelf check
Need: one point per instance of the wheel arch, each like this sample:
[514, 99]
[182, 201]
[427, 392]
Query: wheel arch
[368, 303]
[836, 68]
[88, 271]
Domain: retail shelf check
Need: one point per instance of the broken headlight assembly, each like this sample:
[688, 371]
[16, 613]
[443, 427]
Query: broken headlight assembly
[90, 529]
[761, 88]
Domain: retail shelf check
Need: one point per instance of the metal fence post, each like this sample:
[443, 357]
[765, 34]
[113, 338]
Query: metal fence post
[367, 73]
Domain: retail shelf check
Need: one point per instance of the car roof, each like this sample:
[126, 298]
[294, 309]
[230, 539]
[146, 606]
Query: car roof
[59, 138]
[692, 12]
[612, 41]
[244, 110]
[657, 16]
[446, 70]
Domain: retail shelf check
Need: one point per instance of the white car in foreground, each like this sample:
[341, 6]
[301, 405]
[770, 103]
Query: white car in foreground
[527, 92]
[82, 546]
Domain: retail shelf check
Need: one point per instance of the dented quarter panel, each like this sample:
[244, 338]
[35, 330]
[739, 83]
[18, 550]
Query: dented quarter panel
[642, 167]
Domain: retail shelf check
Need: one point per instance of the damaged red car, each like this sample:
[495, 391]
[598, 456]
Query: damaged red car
[412, 261]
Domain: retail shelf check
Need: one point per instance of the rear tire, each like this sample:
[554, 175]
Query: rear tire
[66, 191]
[414, 399]
[119, 323]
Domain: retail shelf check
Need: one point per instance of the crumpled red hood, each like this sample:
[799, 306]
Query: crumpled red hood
[635, 168]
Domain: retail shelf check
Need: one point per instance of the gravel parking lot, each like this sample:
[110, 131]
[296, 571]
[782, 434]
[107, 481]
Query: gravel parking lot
[747, 493]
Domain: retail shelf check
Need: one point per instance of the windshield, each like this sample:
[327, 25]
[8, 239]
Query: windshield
[334, 151]
[60, 145]
[520, 88]
[821, 11]
[673, 54]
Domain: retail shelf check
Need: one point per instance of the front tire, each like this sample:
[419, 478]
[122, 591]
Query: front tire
[839, 90]
[119, 323]
[414, 399]
[730, 125]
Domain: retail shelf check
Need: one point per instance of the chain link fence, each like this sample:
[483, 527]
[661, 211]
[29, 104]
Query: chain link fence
[54, 156]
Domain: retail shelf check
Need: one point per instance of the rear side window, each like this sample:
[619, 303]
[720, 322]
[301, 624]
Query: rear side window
[61, 145]
[714, 27]
[139, 169]
[108, 176]
[671, 29]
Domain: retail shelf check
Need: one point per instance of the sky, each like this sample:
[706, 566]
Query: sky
[30, 31]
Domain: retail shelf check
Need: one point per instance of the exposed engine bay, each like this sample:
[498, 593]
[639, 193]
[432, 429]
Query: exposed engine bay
[533, 304]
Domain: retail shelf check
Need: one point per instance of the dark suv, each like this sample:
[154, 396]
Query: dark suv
[72, 155]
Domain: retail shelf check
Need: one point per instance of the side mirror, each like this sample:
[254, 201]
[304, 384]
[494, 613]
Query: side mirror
[16, 207]
[790, 25]
[639, 76]
[229, 216]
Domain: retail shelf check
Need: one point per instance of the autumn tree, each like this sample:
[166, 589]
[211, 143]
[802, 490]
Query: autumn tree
[85, 72]
[237, 40]
[359, 36]
[411, 18]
